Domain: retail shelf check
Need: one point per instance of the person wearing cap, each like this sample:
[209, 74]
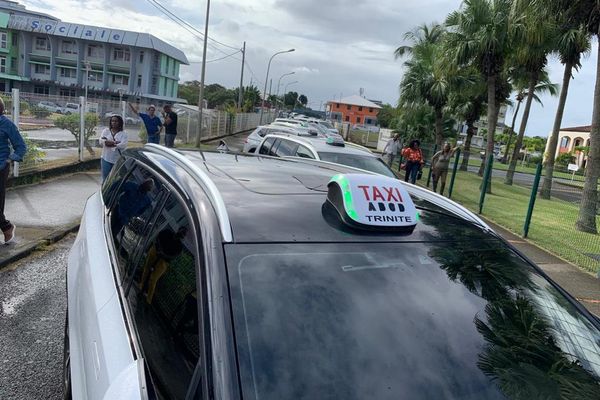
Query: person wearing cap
[170, 118]
[12, 148]
[152, 123]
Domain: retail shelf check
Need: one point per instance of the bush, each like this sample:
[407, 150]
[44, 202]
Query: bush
[40, 112]
[71, 123]
[564, 159]
[34, 154]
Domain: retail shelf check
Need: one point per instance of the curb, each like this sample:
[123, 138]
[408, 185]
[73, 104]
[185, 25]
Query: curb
[28, 249]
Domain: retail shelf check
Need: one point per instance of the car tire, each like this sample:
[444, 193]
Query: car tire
[68, 113]
[67, 395]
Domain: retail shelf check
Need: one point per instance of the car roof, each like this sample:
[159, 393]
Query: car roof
[320, 144]
[270, 199]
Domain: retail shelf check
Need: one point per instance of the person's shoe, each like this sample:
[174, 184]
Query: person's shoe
[9, 234]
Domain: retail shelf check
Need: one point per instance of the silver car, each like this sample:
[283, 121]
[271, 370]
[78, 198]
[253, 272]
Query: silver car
[253, 140]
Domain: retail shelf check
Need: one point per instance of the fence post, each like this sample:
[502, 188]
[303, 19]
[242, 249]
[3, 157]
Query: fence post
[486, 177]
[81, 126]
[16, 110]
[431, 166]
[534, 189]
[454, 169]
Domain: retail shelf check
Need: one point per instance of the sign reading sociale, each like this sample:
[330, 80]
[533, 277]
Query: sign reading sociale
[58, 28]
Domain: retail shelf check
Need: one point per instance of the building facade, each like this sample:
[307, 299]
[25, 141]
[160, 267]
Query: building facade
[569, 139]
[43, 55]
[354, 110]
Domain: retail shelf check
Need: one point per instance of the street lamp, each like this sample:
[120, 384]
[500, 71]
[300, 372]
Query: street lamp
[262, 106]
[279, 83]
[285, 90]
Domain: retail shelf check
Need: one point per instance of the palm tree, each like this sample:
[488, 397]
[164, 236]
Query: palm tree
[428, 78]
[589, 10]
[544, 86]
[535, 41]
[479, 34]
[572, 44]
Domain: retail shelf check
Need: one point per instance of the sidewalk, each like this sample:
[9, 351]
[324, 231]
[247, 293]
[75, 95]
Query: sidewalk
[47, 211]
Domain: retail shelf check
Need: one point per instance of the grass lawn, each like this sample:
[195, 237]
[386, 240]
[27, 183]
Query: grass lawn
[553, 222]
[476, 162]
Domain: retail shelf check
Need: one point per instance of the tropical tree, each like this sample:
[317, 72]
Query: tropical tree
[545, 86]
[386, 115]
[479, 34]
[429, 77]
[535, 40]
[589, 10]
[573, 42]
[302, 99]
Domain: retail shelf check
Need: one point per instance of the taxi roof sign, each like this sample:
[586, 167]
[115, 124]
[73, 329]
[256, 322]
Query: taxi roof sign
[372, 202]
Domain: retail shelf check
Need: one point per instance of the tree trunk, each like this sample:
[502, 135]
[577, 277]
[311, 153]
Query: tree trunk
[586, 221]
[553, 139]
[467, 150]
[439, 126]
[511, 133]
[515, 157]
[493, 110]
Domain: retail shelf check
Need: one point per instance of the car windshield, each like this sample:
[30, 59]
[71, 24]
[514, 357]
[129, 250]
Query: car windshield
[442, 320]
[368, 163]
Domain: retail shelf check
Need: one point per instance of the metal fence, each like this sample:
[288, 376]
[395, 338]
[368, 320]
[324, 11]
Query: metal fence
[549, 223]
[51, 126]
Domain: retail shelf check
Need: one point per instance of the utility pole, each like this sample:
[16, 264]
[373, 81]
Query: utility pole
[201, 97]
[241, 94]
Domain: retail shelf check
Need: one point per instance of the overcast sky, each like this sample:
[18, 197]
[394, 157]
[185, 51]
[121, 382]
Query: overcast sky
[341, 45]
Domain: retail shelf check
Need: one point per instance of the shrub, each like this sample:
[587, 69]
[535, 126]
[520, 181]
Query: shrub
[40, 112]
[71, 123]
[565, 159]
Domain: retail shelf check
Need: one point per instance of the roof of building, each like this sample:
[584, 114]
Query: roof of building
[356, 100]
[585, 128]
[24, 20]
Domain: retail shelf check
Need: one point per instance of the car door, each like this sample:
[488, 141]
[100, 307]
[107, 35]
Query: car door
[266, 145]
[286, 148]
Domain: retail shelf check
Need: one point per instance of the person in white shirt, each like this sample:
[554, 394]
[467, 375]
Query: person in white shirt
[391, 150]
[113, 141]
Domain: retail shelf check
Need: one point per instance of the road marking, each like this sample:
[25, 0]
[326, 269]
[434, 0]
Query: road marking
[593, 301]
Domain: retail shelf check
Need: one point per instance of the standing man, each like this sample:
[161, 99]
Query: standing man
[152, 123]
[391, 150]
[170, 125]
[9, 137]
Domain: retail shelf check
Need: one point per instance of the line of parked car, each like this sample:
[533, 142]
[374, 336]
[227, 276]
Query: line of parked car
[69, 108]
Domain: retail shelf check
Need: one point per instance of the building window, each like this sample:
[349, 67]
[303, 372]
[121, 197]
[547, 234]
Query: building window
[68, 73]
[95, 51]
[370, 109]
[3, 40]
[139, 81]
[337, 105]
[42, 69]
[358, 120]
[69, 47]
[347, 119]
[67, 92]
[42, 43]
[15, 39]
[120, 80]
[41, 89]
[360, 108]
[564, 142]
[174, 67]
[348, 107]
[121, 54]
[3, 64]
[95, 76]
[141, 57]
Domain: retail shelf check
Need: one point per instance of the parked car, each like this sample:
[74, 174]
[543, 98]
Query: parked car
[50, 106]
[71, 108]
[329, 150]
[253, 140]
[228, 276]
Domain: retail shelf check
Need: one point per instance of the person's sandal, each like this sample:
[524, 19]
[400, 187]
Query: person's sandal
[9, 234]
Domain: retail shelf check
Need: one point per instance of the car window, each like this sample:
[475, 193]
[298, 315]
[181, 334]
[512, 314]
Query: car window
[134, 207]
[266, 146]
[273, 150]
[367, 162]
[286, 148]
[261, 132]
[304, 152]
[163, 300]
[114, 180]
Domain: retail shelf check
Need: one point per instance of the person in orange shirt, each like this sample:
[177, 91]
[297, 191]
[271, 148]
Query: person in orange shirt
[413, 160]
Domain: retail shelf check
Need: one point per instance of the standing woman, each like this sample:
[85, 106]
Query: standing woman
[440, 163]
[113, 141]
[413, 160]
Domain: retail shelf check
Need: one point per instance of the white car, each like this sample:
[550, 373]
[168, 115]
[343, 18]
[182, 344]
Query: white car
[324, 149]
[253, 140]
[50, 106]
[71, 108]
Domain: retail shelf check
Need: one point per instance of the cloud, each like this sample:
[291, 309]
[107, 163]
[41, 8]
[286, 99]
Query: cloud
[306, 70]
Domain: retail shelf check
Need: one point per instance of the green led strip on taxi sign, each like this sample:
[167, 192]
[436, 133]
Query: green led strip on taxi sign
[342, 181]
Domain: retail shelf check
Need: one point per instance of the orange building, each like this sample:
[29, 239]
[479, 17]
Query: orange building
[353, 109]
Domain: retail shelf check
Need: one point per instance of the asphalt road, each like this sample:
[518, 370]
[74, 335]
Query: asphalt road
[32, 316]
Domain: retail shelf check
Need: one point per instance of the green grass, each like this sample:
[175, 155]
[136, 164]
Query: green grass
[553, 222]
[476, 162]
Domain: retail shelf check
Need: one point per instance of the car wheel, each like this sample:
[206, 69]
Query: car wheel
[66, 363]
[68, 113]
